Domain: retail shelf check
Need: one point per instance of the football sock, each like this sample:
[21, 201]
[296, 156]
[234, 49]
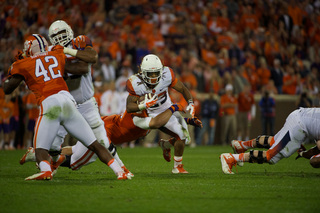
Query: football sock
[115, 166]
[247, 144]
[116, 156]
[238, 157]
[177, 160]
[44, 166]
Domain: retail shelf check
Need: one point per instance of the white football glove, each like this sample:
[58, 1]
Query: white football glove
[149, 101]
[190, 108]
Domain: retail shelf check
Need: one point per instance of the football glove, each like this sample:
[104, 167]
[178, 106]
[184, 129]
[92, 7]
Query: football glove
[148, 102]
[190, 108]
[194, 122]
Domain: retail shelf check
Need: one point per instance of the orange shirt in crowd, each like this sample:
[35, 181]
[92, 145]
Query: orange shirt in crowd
[296, 14]
[31, 100]
[249, 20]
[6, 111]
[190, 79]
[226, 99]
[263, 75]
[289, 84]
[245, 102]
[209, 57]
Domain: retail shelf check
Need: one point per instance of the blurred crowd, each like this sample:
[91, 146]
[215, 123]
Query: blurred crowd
[251, 46]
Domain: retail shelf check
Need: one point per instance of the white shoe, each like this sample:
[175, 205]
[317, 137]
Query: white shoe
[227, 162]
[123, 176]
[237, 149]
[179, 169]
[47, 175]
[28, 156]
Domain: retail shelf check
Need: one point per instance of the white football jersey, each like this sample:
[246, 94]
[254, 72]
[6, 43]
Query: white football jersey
[80, 86]
[137, 87]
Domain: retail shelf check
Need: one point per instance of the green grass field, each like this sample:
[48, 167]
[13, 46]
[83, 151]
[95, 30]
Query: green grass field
[289, 186]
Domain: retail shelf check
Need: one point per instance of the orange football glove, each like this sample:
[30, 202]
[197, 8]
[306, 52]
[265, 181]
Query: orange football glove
[79, 42]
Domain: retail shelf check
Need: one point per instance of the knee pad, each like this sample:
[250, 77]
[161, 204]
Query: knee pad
[260, 159]
[112, 149]
[265, 142]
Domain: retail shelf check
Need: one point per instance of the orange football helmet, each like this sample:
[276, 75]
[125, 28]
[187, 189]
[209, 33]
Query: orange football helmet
[35, 44]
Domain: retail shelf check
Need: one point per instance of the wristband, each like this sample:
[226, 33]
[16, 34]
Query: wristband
[70, 51]
[142, 107]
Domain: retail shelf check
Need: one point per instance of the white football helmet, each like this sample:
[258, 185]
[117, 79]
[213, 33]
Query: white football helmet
[60, 33]
[151, 69]
[34, 45]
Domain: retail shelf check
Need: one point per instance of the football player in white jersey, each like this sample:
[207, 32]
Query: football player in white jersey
[301, 126]
[156, 79]
[80, 86]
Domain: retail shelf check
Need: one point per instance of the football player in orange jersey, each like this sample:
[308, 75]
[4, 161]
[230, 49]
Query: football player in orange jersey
[157, 79]
[43, 73]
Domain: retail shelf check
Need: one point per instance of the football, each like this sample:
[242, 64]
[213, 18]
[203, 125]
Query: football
[142, 98]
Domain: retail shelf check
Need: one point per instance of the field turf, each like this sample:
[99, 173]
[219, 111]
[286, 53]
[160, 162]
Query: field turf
[289, 186]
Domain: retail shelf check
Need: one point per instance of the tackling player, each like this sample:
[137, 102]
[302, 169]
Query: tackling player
[43, 73]
[120, 129]
[301, 126]
[156, 79]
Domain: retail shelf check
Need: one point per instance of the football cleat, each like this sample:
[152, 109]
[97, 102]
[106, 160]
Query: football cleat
[179, 169]
[227, 162]
[166, 152]
[123, 176]
[55, 165]
[47, 175]
[127, 171]
[237, 147]
[28, 156]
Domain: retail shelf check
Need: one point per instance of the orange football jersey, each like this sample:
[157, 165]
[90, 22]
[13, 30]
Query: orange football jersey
[121, 129]
[42, 73]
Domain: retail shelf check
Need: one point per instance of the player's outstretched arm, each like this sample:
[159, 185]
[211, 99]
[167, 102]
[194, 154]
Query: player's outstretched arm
[11, 83]
[88, 55]
[79, 68]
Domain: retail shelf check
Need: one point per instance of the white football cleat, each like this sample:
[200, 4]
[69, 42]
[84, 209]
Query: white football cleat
[123, 176]
[227, 162]
[237, 149]
[179, 169]
[28, 156]
[47, 175]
